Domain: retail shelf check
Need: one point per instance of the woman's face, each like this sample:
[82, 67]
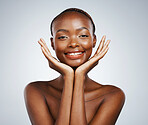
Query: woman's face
[73, 38]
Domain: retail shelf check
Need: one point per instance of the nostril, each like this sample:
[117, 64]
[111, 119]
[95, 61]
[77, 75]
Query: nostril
[74, 44]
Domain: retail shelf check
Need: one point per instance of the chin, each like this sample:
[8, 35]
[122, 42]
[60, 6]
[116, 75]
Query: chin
[75, 66]
[75, 63]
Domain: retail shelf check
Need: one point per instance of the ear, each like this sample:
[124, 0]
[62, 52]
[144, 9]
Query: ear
[94, 40]
[52, 44]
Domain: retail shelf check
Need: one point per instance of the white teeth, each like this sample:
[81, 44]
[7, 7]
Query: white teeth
[74, 53]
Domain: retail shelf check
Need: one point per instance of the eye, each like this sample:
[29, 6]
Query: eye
[62, 37]
[83, 36]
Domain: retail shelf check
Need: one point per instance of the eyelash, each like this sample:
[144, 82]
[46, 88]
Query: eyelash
[83, 36]
[64, 37]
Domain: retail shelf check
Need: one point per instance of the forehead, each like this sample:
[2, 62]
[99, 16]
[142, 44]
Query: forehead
[71, 21]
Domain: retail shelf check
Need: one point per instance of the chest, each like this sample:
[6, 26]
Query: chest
[91, 106]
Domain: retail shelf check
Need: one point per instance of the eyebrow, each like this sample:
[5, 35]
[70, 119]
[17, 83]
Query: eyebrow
[62, 30]
[82, 28]
[68, 31]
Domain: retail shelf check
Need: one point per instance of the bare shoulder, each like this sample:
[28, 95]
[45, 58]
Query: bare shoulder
[113, 96]
[40, 86]
[33, 91]
[112, 100]
[36, 103]
[34, 87]
[36, 91]
[37, 84]
[42, 90]
[97, 91]
[114, 92]
[109, 92]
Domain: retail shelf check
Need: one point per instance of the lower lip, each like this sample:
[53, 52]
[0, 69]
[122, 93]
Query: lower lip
[74, 56]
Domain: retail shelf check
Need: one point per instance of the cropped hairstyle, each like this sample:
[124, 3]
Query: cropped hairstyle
[73, 10]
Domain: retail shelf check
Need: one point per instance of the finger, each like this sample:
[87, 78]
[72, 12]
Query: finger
[42, 40]
[103, 53]
[45, 53]
[49, 57]
[101, 44]
[106, 45]
[40, 43]
[46, 50]
[45, 47]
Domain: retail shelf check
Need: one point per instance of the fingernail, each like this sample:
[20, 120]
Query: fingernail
[108, 41]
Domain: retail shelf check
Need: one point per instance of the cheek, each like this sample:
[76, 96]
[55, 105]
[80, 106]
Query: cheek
[60, 46]
[87, 45]
[59, 50]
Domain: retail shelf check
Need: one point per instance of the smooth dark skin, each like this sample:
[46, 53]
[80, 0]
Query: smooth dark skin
[73, 98]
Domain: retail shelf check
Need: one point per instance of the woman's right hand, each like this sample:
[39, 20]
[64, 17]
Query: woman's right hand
[62, 68]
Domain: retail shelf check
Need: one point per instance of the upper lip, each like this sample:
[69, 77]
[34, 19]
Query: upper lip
[74, 51]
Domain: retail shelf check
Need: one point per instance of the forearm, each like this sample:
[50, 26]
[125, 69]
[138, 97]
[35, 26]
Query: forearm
[66, 100]
[78, 114]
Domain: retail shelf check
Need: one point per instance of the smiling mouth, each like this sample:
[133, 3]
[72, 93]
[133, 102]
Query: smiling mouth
[74, 55]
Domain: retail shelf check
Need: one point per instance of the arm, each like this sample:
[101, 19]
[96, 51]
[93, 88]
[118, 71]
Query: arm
[66, 99]
[68, 75]
[78, 114]
[42, 116]
[38, 110]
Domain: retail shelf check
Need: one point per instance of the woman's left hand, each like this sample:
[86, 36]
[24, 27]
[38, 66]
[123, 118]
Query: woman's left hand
[93, 61]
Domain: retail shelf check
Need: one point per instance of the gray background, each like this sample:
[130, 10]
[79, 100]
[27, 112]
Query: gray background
[22, 23]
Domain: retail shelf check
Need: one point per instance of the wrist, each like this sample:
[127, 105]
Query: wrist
[68, 72]
[69, 76]
[79, 72]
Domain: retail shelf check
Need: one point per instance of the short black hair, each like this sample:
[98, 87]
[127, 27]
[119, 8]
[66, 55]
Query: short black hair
[73, 10]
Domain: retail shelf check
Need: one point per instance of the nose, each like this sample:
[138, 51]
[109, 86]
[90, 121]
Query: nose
[73, 43]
